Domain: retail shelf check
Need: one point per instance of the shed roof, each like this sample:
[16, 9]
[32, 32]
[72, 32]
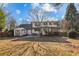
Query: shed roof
[26, 26]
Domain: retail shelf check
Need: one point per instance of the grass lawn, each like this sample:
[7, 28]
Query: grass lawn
[43, 46]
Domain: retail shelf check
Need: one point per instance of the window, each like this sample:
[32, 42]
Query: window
[50, 23]
[17, 30]
[45, 23]
[37, 24]
[55, 23]
[37, 29]
[22, 29]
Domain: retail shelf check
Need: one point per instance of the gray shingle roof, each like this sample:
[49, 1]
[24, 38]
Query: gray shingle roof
[26, 26]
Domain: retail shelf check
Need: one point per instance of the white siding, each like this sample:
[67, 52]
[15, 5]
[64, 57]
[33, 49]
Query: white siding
[29, 32]
[19, 31]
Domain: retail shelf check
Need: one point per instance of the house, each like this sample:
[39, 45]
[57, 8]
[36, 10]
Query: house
[19, 31]
[23, 29]
[44, 27]
[36, 28]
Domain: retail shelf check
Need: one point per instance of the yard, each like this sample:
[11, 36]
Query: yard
[39, 46]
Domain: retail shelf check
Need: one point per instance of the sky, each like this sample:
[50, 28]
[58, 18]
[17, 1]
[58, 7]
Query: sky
[20, 10]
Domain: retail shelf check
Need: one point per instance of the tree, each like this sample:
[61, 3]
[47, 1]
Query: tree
[71, 14]
[2, 19]
[38, 15]
[77, 23]
[12, 23]
[3, 16]
[64, 25]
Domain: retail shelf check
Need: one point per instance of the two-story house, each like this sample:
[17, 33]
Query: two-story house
[36, 28]
[44, 27]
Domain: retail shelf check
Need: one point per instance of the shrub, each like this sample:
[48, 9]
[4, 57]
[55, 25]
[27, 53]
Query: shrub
[56, 33]
[63, 34]
[11, 33]
[77, 34]
[52, 33]
[49, 34]
[77, 31]
[72, 34]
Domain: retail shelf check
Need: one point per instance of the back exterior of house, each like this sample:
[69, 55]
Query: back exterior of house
[37, 28]
[44, 27]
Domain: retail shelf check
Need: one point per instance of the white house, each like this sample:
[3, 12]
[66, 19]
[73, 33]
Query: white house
[23, 29]
[19, 31]
[36, 28]
[44, 27]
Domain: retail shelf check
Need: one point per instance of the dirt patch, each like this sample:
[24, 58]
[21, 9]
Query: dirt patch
[35, 47]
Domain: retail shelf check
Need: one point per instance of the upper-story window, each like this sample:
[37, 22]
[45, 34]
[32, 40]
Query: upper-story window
[37, 24]
[55, 23]
[50, 23]
[45, 23]
[37, 29]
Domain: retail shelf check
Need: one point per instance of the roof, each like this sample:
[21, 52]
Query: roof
[18, 28]
[26, 26]
[44, 21]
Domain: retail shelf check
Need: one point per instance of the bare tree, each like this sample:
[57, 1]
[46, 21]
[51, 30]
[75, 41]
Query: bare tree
[64, 25]
[38, 15]
[12, 23]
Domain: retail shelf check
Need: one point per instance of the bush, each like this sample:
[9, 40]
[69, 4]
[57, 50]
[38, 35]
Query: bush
[11, 33]
[72, 34]
[63, 34]
[55, 33]
[77, 34]
[52, 34]
[49, 34]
